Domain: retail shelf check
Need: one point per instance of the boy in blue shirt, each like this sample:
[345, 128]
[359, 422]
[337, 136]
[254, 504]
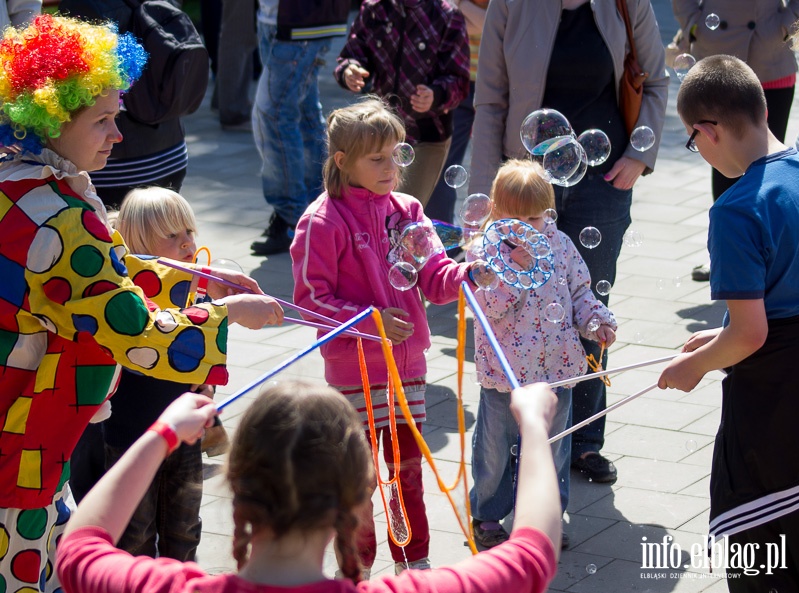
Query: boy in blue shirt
[754, 253]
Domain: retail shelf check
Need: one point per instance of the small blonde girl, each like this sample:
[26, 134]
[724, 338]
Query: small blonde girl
[344, 246]
[539, 331]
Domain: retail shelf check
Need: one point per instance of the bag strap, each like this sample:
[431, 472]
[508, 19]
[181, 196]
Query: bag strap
[622, 6]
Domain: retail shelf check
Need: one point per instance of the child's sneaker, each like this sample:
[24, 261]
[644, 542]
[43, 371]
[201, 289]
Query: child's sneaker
[489, 533]
[422, 564]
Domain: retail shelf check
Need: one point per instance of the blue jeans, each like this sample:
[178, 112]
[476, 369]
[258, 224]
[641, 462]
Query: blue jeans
[593, 202]
[442, 202]
[287, 122]
[495, 434]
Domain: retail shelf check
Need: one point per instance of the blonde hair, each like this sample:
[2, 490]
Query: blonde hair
[519, 190]
[150, 213]
[359, 129]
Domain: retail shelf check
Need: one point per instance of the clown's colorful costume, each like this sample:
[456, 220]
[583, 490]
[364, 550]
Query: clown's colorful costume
[73, 303]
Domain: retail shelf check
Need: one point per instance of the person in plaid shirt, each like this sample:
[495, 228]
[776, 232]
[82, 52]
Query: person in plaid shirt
[415, 54]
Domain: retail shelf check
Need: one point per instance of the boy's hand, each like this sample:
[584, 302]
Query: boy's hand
[624, 173]
[700, 338]
[422, 99]
[606, 335]
[190, 414]
[253, 310]
[397, 330]
[206, 390]
[534, 403]
[354, 77]
[681, 373]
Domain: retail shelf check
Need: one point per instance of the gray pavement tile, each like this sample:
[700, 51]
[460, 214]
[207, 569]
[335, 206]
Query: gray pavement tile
[707, 424]
[698, 488]
[647, 507]
[626, 541]
[215, 553]
[610, 576]
[657, 474]
[654, 443]
[703, 456]
[583, 494]
[697, 524]
[661, 414]
[581, 528]
[574, 567]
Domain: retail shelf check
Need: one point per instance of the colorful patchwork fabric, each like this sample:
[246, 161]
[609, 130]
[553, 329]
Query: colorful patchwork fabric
[73, 303]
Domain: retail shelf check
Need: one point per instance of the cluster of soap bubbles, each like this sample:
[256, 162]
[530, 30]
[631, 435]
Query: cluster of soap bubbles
[565, 157]
[417, 244]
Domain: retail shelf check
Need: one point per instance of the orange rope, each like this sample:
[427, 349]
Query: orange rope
[192, 296]
[392, 422]
[596, 366]
[394, 378]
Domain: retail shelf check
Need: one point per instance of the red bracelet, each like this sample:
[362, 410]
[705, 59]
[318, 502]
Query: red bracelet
[202, 285]
[168, 432]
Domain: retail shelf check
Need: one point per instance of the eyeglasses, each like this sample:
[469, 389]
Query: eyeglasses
[691, 144]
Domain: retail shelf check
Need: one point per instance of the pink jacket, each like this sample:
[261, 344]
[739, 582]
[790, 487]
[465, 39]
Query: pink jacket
[340, 261]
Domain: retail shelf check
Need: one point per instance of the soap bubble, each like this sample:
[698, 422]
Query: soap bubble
[579, 172]
[485, 277]
[593, 324]
[562, 159]
[591, 569]
[421, 242]
[226, 264]
[550, 216]
[712, 21]
[554, 312]
[632, 238]
[596, 145]
[476, 209]
[590, 237]
[690, 445]
[603, 287]
[677, 281]
[541, 128]
[402, 276]
[403, 154]
[682, 64]
[638, 338]
[455, 176]
[660, 284]
[642, 138]
[475, 247]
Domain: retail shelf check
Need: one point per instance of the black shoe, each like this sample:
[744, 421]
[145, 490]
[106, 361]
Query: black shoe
[564, 540]
[277, 238]
[596, 468]
[701, 273]
[489, 533]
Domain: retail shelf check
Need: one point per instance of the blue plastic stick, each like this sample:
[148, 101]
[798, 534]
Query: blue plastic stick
[492, 339]
[324, 339]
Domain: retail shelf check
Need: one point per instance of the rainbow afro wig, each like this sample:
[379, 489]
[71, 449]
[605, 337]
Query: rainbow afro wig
[54, 67]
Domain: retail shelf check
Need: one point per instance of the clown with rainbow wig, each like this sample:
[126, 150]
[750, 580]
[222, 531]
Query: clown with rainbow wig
[74, 304]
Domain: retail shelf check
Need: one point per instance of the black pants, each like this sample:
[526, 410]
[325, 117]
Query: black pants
[778, 103]
[782, 580]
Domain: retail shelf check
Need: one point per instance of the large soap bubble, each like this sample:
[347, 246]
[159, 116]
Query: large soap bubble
[590, 237]
[682, 64]
[596, 145]
[476, 209]
[455, 176]
[421, 242]
[541, 128]
[403, 154]
[562, 159]
[642, 138]
[578, 174]
[402, 276]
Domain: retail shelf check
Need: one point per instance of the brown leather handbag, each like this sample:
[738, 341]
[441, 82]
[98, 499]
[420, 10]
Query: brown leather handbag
[631, 87]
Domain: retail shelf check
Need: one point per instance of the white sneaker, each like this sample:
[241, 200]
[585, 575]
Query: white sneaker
[422, 564]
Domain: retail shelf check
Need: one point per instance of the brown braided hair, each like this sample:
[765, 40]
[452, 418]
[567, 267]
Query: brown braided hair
[299, 461]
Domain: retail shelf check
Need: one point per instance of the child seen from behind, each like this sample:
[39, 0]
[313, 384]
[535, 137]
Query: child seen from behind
[539, 331]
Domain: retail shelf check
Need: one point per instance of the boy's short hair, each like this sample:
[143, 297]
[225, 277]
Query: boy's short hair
[519, 189]
[724, 89]
[150, 213]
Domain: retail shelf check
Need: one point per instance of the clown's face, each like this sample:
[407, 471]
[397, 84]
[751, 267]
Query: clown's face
[88, 137]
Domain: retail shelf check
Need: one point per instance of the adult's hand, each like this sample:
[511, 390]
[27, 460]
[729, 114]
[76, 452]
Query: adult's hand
[624, 173]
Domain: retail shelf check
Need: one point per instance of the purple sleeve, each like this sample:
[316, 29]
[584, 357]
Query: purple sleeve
[524, 564]
[88, 562]
[354, 51]
[451, 83]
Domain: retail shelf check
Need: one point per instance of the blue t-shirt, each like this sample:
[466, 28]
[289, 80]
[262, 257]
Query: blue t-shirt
[754, 236]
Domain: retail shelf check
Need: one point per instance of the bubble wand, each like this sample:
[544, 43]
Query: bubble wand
[288, 362]
[335, 323]
[628, 367]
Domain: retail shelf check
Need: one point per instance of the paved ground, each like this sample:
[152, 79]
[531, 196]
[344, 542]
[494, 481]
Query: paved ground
[660, 443]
